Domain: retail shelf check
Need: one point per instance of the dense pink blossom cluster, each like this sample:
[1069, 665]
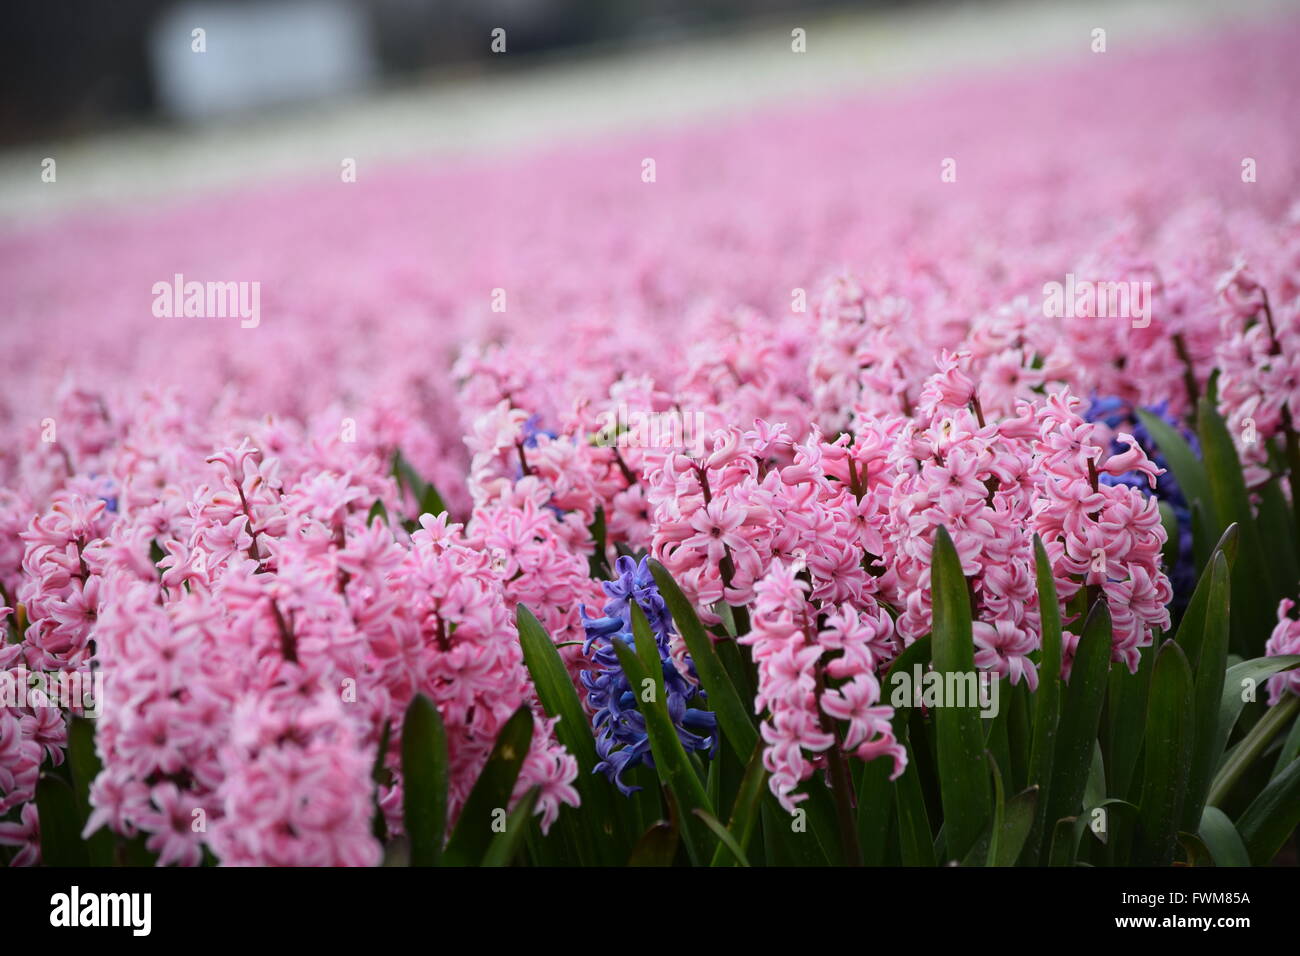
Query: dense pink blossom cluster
[1259, 358]
[844, 351]
[1284, 640]
[817, 667]
[249, 673]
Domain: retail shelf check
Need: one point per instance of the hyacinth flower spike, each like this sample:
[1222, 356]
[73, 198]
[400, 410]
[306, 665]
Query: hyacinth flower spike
[621, 739]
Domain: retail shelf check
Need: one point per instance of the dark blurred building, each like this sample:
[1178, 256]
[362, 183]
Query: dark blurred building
[71, 66]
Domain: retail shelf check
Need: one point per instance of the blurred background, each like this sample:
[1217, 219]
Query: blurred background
[151, 97]
[77, 65]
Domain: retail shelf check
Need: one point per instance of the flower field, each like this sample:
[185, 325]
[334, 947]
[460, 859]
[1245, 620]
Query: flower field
[901, 478]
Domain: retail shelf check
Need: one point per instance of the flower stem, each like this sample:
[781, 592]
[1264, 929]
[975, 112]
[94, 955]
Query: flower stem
[841, 786]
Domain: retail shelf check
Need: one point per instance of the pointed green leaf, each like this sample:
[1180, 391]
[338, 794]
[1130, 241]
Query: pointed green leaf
[916, 840]
[1277, 534]
[1080, 716]
[1290, 749]
[1169, 519]
[1017, 819]
[1191, 630]
[489, 798]
[1187, 468]
[424, 780]
[1253, 593]
[1252, 747]
[1126, 715]
[1212, 651]
[1242, 680]
[670, 760]
[733, 716]
[559, 698]
[1222, 839]
[1168, 749]
[431, 502]
[724, 837]
[1047, 702]
[506, 844]
[963, 776]
[745, 812]
[1272, 816]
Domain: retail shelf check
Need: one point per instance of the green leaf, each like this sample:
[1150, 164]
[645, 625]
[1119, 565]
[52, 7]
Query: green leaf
[745, 811]
[506, 844]
[787, 841]
[823, 819]
[876, 792]
[1107, 832]
[1191, 630]
[490, 795]
[426, 496]
[1252, 747]
[1020, 735]
[1247, 674]
[916, 840]
[1290, 749]
[670, 760]
[1212, 651]
[903, 670]
[964, 785]
[1277, 534]
[1126, 697]
[56, 806]
[1047, 703]
[377, 512]
[431, 502]
[559, 698]
[1168, 748]
[733, 717]
[724, 837]
[1017, 819]
[1169, 519]
[1080, 716]
[1271, 817]
[424, 780]
[1094, 789]
[597, 563]
[1222, 839]
[1187, 468]
[1252, 593]
[1065, 842]
[406, 477]
[1202, 530]
[1016, 823]
[85, 766]
[875, 810]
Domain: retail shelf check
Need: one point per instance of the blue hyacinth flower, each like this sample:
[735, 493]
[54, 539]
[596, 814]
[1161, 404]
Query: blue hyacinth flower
[621, 740]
